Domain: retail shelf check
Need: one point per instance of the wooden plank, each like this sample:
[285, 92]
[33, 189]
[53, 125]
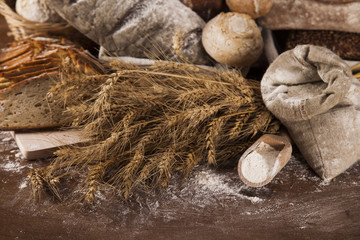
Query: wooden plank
[35, 145]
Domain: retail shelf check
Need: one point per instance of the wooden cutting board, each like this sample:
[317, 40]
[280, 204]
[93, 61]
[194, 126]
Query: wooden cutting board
[36, 145]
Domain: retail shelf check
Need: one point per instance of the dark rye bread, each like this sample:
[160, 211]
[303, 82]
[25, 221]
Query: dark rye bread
[344, 44]
[136, 28]
[25, 105]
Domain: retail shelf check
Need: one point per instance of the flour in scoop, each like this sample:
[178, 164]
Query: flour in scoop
[257, 166]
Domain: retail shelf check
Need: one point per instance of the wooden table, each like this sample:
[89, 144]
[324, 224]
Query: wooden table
[212, 204]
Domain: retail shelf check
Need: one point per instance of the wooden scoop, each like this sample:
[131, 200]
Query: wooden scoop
[261, 162]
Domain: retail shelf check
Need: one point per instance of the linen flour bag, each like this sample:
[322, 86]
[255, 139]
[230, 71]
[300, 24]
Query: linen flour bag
[313, 93]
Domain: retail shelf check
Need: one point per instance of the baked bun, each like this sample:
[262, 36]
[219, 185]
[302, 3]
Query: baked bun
[233, 39]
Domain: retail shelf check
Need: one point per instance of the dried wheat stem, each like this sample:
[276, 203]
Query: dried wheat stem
[36, 183]
[176, 76]
[94, 177]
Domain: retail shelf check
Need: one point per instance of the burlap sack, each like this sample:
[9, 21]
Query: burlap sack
[313, 93]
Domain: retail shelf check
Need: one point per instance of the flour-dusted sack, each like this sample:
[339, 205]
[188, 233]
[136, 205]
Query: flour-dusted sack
[313, 93]
[137, 28]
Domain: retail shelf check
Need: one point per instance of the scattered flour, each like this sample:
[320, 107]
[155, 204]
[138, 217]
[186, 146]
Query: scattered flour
[208, 183]
[260, 164]
[9, 164]
[12, 167]
[325, 183]
[19, 155]
[24, 183]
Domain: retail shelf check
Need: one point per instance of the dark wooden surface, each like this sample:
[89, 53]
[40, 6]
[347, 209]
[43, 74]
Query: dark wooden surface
[212, 204]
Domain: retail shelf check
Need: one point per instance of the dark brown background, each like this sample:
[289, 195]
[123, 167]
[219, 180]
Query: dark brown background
[212, 204]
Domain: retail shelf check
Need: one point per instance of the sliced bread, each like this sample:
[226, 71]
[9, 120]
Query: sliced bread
[28, 69]
[25, 105]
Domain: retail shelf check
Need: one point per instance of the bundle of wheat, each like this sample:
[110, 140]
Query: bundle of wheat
[149, 122]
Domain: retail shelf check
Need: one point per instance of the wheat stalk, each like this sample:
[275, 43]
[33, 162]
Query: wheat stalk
[36, 183]
[149, 122]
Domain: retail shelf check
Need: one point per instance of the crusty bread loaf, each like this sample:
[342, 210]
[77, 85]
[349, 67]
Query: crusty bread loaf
[137, 28]
[28, 69]
[312, 15]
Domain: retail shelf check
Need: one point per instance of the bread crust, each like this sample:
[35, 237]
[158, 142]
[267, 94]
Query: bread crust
[312, 15]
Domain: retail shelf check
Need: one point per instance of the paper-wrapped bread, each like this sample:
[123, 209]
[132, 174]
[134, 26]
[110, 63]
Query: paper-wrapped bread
[137, 28]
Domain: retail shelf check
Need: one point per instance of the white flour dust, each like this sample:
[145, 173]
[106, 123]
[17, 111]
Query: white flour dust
[260, 164]
[12, 167]
[209, 183]
[24, 183]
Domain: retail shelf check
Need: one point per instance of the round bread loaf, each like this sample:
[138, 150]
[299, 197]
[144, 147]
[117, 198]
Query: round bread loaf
[255, 8]
[37, 10]
[233, 39]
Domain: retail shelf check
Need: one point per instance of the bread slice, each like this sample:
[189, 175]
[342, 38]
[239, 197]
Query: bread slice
[25, 105]
[28, 69]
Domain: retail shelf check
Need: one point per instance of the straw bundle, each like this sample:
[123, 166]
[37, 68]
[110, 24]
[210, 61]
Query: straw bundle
[149, 122]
